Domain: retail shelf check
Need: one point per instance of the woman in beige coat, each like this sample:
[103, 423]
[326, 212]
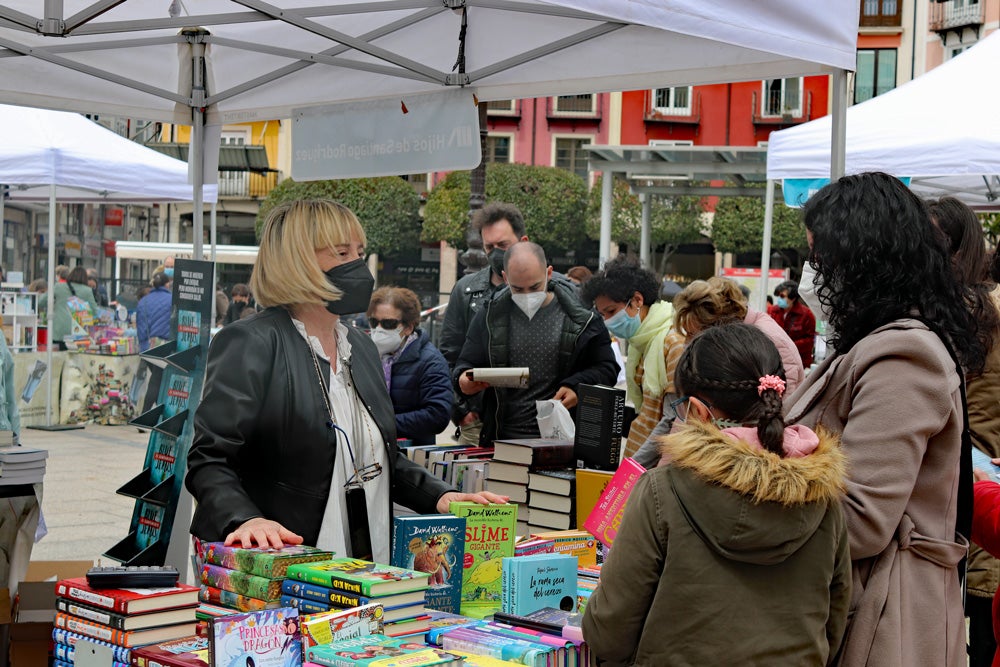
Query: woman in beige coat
[893, 391]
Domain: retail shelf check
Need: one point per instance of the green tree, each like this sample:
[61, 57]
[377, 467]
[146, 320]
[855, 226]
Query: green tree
[388, 207]
[738, 226]
[552, 200]
[991, 227]
[673, 220]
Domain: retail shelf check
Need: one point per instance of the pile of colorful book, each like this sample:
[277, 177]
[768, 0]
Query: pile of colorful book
[121, 619]
[510, 470]
[248, 579]
[342, 583]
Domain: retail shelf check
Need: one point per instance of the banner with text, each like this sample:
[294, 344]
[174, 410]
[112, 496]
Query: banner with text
[413, 134]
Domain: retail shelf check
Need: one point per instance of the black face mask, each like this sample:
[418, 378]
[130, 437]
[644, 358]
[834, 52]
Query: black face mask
[355, 282]
[496, 260]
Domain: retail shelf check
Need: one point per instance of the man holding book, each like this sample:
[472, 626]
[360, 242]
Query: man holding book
[539, 324]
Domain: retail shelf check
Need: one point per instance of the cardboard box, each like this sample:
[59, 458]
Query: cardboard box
[31, 615]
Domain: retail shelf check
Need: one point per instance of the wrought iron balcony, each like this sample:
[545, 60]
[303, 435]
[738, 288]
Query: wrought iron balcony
[955, 15]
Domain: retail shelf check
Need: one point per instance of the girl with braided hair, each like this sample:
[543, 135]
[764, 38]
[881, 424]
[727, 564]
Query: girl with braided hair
[736, 552]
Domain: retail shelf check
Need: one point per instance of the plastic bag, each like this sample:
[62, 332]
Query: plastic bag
[554, 420]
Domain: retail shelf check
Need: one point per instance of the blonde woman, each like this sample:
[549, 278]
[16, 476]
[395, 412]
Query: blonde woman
[295, 440]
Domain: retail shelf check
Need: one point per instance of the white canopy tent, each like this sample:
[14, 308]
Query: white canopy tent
[251, 59]
[55, 155]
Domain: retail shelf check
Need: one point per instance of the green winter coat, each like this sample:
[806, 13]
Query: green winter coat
[730, 555]
[61, 322]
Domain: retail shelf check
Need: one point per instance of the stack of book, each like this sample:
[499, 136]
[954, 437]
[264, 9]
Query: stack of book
[248, 579]
[577, 543]
[184, 652]
[343, 583]
[514, 461]
[380, 650]
[462, 466]
[552, 500]
[22, 465]
[586, 583]
[121, 618]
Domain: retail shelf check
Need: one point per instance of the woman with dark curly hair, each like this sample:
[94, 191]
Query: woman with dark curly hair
[970, 264]
[627, 297]
[893, 388]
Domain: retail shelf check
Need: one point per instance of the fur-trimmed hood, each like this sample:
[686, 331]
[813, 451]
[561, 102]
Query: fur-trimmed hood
[749, 504]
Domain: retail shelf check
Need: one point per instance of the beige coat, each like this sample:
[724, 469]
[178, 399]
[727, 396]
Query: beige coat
[895, 398]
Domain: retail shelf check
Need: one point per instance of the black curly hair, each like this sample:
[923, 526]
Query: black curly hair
[878, 259]
[723, 366]
[620, 279]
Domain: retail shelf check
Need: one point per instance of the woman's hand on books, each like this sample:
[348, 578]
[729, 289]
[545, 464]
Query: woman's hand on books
[262, 532]
[484, 498]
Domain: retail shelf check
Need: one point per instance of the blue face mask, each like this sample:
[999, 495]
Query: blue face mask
[781, 302]
[169, 271]
[622, 325]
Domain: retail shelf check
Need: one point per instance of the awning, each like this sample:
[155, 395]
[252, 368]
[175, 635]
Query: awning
[231, 158]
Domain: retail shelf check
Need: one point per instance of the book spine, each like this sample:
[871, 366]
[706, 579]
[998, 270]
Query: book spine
[91, 629]
[241, 582]
[305, 606]
[244, 603]
[508, 579]
[91, 597]
[116, 621]
[617, 422]
[330, 580]
[64, 650]
[323, 594]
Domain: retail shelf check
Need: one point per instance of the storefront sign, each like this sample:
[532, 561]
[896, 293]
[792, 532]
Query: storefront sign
[114, 217]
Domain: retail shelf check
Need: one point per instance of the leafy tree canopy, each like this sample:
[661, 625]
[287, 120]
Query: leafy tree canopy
[738, 226]
[552, 200]
[387, 207]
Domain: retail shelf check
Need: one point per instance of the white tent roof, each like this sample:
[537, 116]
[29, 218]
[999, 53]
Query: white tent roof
[942, 128]
[266, 58]
[86, 162]
[224, 254]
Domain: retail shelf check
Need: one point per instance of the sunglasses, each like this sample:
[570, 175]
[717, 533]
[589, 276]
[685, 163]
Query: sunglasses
[385, 324]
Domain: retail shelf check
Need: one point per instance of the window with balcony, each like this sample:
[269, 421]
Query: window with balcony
[498, 148]
[672, 101]
[876, 73]
[571, 156]
[575, 105]
[878, 13]
[782, 97]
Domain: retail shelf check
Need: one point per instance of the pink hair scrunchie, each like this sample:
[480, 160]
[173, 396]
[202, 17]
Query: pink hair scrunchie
[771, 382]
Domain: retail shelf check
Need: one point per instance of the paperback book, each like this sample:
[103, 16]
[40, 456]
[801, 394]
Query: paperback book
[332, 626]
[434, 544]
[606, 517]
[577, 543]
[263, 562]
[360, 577]
[534, 582]
[490, 532]
[380, 651]
[269, 638]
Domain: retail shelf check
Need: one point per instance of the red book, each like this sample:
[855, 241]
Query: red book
[128, 601]
[184, 652]
[534, 452]
[604, 520]
[123, 637]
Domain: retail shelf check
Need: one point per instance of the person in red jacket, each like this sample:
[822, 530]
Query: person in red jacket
[796, 319]
[986, 531]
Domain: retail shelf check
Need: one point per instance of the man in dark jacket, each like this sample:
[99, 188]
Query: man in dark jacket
[501, 226]
[539, 324]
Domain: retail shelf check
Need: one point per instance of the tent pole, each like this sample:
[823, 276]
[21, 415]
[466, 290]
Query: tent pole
[212, 230]
[838, 134]
[607, 191]
[644, 234]
[51, 296]
[3, 241]
[765, 247]
[197, 149]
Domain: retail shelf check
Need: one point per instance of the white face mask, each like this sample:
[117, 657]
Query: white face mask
[387, 340]
[529, 303]
[810, 282]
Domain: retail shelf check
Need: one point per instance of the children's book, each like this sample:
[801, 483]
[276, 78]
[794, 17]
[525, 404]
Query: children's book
[332, 626]
[127, 600]
[269, 638]
[264, 562]
[380, 651]
[606, 517]
[185, 652]
[359, 576]
[475, 640]
[122, 637]
[251, 585]
[534, 582]
[434, 544]
[473, 660]
[313, 607]
[235, 601]
[126, 621]
[490, 532]
[69, 640]
[342, 599]
[529, 546]
[441, 622]
[577, 543]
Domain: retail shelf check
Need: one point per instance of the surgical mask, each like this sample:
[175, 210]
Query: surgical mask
[622, 325]
[496, 260]
[169, 271]
[355, 283]
[781, 302]
[387, 340]
[529, 303]
[808, 288]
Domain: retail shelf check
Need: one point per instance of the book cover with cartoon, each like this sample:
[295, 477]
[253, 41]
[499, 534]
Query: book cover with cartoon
[269, 638]
[435, 544]
[489, 537]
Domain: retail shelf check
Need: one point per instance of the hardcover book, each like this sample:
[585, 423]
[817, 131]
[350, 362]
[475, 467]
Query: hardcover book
[552, 503]
[531, 583]
[251, 585]
[408, 626]
[338, 598]
[490, 532]
[241, 603]
[518, 493]
[127, 601]
[380, 651]
[122, 637]
[388, 615]
[435, 544]
[123, 621]
[185, 652]
[550, 519]
[604, 520]
[558, 482]
[600, 416]
[590, 484]
[332, 626]
[360, 577]
[264, 562]
[269, 638]
[502, 471]
[535, 452]
[577, 543]
[68, 640]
